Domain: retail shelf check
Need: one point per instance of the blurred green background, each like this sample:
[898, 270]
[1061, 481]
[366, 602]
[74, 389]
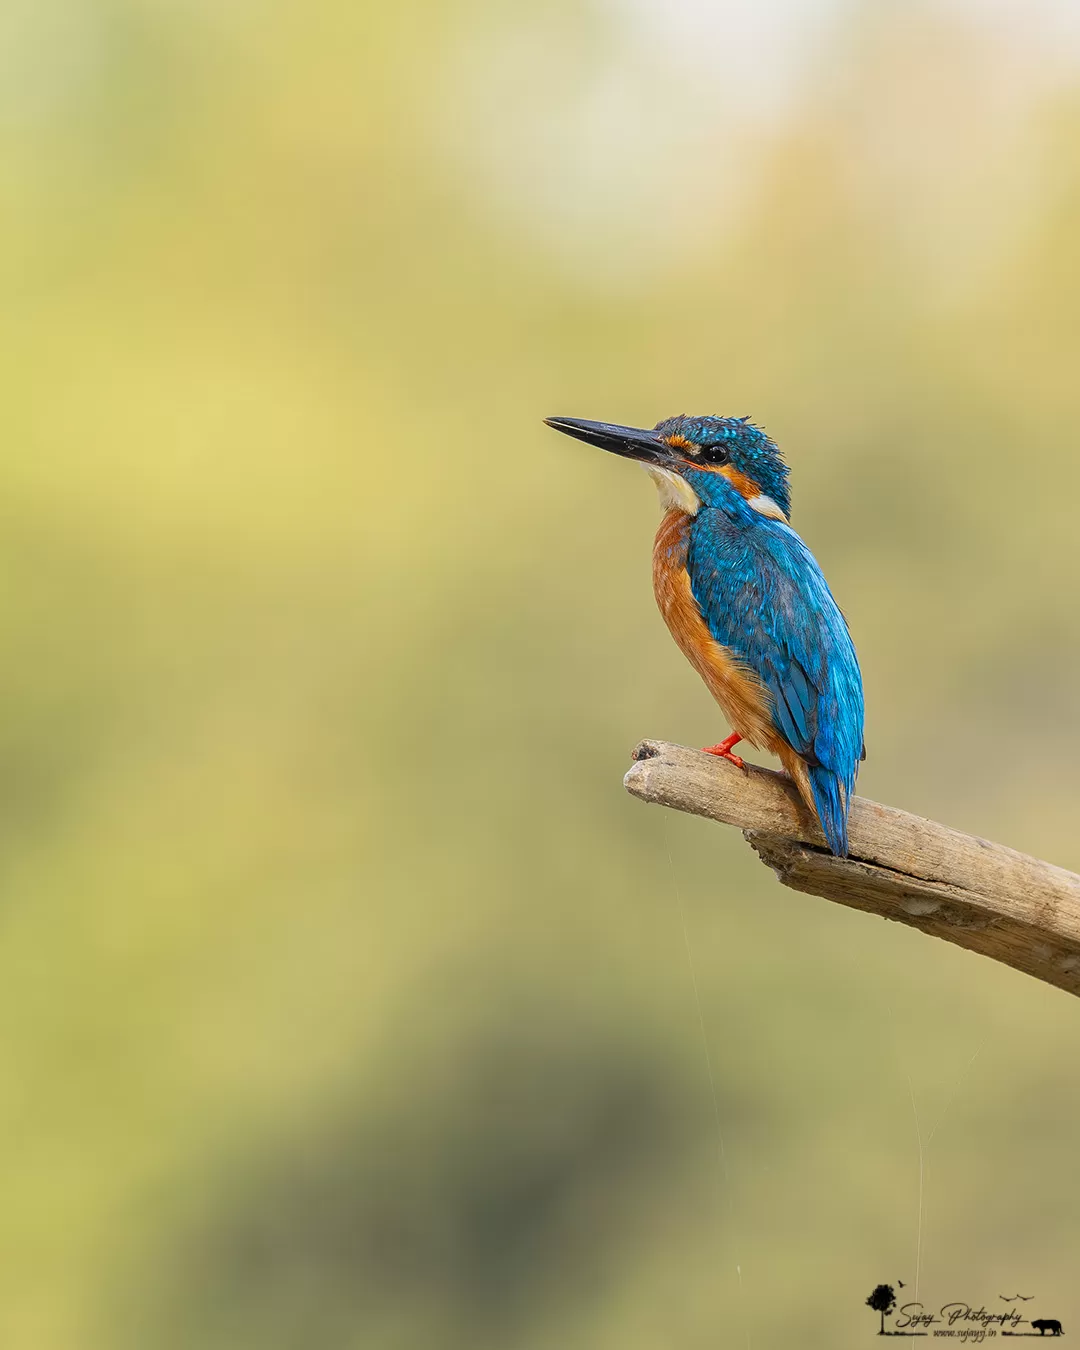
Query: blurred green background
[345, 996]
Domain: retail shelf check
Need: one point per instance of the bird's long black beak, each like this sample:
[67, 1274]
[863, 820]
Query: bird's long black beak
[630, 442]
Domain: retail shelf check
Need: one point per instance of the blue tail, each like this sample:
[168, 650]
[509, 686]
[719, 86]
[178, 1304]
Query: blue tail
[832, 798]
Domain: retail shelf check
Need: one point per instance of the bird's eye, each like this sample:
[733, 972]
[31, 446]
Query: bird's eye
[718, 453]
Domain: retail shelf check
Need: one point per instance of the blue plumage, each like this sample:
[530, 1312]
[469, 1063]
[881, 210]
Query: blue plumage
[747, 603]
[763, 596]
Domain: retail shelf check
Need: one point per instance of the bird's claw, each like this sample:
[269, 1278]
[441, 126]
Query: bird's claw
[723, 751]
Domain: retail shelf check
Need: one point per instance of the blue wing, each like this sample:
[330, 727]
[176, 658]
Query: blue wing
[763, 596]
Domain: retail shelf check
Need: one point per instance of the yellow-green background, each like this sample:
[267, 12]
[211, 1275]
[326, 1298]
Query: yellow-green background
[344, 995]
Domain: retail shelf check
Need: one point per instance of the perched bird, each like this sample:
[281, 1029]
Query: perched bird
[747, 603]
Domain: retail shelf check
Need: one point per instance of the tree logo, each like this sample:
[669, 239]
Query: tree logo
[883, 1301]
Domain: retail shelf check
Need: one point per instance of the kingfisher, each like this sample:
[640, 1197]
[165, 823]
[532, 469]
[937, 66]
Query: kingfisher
[747, 603]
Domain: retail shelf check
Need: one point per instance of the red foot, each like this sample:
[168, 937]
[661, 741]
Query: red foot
[723, 750]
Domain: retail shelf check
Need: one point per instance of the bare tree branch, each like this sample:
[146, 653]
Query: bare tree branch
[979, 895]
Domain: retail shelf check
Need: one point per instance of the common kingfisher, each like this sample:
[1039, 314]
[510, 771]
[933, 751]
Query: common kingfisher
[747, 603]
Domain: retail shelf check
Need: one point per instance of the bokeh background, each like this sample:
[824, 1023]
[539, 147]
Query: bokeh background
[347, 1000]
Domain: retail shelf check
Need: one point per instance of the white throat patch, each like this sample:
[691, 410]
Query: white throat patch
[674, 491]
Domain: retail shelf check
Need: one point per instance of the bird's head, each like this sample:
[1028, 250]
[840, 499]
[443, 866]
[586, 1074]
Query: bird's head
[698, 459]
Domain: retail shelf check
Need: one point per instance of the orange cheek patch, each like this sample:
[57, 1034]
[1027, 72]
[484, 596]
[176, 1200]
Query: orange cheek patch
[739, 481]
[681, 443]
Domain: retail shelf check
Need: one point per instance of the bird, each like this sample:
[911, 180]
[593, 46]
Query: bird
[747, 603]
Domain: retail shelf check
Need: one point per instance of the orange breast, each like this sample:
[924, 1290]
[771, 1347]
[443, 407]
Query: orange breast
[738, 690]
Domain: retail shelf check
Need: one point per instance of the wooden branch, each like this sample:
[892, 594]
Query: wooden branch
[982, 896]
